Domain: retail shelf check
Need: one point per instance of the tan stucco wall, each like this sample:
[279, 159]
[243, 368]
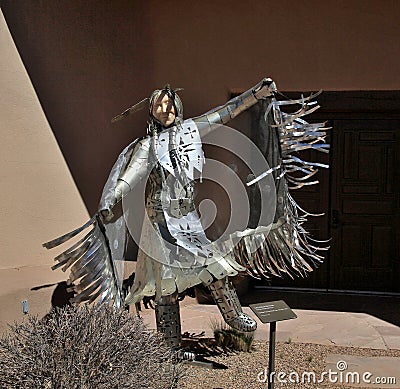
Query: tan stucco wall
[38, 198]
[89, 60]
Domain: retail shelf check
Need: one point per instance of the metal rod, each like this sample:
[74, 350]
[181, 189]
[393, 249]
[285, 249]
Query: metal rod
[271, 360]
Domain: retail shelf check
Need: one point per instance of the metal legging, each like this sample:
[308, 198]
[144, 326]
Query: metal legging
[168, 319]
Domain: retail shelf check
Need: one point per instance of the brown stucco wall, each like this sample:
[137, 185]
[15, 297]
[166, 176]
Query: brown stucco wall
[38, 197]
[88, 60]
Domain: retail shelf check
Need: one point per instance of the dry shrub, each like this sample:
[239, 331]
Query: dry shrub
[87, 347]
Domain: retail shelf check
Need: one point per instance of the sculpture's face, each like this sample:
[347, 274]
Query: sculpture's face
[164, 110]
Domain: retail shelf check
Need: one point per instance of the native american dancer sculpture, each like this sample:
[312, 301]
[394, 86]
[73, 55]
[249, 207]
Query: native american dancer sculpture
[174, 251]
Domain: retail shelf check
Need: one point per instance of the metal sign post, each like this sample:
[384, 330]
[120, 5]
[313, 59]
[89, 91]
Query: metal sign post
[271, 312]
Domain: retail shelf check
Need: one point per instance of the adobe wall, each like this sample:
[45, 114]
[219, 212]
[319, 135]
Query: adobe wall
[90, 60]
[38, 197]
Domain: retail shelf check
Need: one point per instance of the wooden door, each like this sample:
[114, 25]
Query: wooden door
[360, 194]
[364, 218]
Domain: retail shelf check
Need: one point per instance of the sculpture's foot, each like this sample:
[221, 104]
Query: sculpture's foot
[243, 323]
[186, 355]
[228, 303]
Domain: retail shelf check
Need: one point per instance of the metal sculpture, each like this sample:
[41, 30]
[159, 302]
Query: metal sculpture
[174, 251]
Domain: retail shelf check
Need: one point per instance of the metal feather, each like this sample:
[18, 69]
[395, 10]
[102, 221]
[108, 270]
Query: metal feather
[91, 268]
[134, 108]
[288, 249]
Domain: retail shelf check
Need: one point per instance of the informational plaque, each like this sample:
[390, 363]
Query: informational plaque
[272, 311]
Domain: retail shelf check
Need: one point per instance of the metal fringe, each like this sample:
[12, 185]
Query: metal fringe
[92, 272]
[288, 248]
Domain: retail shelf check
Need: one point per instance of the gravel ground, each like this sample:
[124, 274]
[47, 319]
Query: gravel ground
[243, 368]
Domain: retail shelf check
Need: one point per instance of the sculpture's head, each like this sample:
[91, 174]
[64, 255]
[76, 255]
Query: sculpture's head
[166, 107]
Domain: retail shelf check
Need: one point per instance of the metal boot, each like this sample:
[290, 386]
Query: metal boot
[224, 295]
[168, 321]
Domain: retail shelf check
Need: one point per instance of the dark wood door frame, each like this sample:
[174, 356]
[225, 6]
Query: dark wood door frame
[372, 118]
[336, 109]
[362, 110]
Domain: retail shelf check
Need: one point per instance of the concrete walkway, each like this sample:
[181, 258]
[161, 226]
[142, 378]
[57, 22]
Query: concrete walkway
[375, 328]
[360, 330]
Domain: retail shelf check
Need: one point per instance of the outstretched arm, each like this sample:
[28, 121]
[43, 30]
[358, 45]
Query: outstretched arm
[135, 171]
[237, 105]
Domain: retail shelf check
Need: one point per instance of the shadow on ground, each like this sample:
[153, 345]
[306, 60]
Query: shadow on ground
[386, 308]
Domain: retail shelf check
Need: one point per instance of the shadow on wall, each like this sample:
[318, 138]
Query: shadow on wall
[60, 297]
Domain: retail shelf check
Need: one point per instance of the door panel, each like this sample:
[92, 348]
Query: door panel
[364, 200]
